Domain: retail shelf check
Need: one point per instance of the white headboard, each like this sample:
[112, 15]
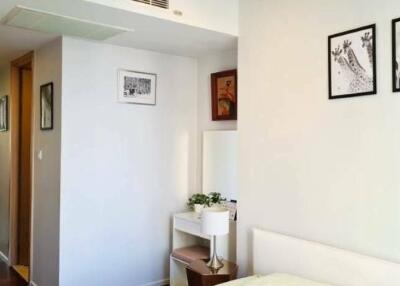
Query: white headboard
[276, 253]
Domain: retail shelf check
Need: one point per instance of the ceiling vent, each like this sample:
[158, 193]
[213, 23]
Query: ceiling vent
[47, 22]
[158, 3]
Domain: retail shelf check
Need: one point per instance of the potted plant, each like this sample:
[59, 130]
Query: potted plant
[215, 198]
[198, 201]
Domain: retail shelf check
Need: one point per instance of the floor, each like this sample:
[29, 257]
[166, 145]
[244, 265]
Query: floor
[22, 271]
[8, 277]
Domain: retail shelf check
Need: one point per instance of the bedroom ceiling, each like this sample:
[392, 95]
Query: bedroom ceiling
[149, 33]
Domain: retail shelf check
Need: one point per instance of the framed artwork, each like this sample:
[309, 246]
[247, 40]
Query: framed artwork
[224, 95]
[137, 87]
[46, 106]
[231, 206]
[396, 54]
[352, 63]
[4, 113]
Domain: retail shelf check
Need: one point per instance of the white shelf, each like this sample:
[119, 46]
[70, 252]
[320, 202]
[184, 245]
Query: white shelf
[189, 223]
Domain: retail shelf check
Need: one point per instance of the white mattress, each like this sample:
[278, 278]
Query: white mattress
[273, 280]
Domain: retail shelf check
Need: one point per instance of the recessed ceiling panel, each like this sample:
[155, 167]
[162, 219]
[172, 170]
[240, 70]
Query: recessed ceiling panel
[36, 20]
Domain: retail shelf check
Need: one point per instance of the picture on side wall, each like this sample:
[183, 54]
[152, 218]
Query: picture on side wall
[137, 87]
[224, 95]
[352, 63]
[4, 113]
[46, 106]
[396, 54]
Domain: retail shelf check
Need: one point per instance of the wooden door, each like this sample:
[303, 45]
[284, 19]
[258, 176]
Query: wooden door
[24, 193]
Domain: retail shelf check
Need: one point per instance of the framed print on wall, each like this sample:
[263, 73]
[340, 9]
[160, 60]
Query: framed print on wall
[46, 106]
[4, 113]
[137, 87]
[224, 95]
[396, 54]
[352, 63]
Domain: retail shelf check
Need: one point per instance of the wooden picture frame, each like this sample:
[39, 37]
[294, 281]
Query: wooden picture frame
[395, 55]
[4, 113]
[47, 106]
[224, 96]
[352, 63]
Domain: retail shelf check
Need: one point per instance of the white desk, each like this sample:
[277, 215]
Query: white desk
[187, 232]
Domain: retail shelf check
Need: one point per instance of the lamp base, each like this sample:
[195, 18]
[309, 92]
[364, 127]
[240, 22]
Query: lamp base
[215, 263]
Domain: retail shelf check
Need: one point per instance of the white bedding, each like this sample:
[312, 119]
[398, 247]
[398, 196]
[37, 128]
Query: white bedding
[273, 280]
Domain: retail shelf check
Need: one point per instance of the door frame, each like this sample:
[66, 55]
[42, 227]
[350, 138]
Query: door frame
[15, 81]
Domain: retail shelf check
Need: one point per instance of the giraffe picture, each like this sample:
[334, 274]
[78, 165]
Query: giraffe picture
[396, 54]
[352, 63]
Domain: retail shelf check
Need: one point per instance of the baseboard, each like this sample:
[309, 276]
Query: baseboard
[4, 257]
[32, 284]
[157, 283]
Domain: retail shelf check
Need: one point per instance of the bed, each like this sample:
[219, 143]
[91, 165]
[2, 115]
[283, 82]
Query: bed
[276, 279]
[281, 260]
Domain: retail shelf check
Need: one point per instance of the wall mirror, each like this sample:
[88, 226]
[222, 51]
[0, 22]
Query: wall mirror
[220, 163]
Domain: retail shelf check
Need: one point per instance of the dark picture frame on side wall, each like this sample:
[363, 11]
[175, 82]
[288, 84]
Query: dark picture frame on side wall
[224, 95]
[396, 54]
[4, 113]
[352, 63]
[46, 106]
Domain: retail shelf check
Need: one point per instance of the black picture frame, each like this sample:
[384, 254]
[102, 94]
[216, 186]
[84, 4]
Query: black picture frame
[373, 91]
[45, 123]
[395, 65]
[5, 113]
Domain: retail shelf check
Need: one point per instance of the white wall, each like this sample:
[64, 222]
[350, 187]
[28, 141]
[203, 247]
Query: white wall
[322, 170]
[46, 173]
[207, 65]
[220, 16]
[4, 167]
[125, 168]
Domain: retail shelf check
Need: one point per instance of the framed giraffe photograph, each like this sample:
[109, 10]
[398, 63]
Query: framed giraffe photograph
[396, 54]
[352, 63]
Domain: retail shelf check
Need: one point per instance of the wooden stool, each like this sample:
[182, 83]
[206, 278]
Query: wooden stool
[199, 274]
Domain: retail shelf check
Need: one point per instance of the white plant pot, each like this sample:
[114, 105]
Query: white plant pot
[198, 209]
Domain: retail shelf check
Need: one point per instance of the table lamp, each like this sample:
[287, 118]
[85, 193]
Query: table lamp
[215, 222]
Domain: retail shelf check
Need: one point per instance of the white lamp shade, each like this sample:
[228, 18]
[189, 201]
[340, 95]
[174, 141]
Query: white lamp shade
[215, 221]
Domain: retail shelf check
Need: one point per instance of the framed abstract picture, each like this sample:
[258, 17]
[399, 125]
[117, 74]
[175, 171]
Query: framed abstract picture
[46, 106]
[224, 95]
[352, 63]
[396, 54]
[4, 113]
[137, 87]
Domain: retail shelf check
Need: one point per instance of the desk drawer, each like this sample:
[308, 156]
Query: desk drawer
[190, 227]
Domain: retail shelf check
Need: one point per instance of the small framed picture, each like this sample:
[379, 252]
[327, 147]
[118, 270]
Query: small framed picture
[137, 87]
[224, 95]
[46, 106]
[396, 54]
[231, 206]
[352, 63]
[4, 113]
